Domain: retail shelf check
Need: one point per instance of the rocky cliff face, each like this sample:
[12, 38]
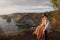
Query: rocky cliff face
[29, 20]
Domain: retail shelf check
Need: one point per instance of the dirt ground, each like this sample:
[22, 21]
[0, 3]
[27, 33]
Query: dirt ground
[29, 36]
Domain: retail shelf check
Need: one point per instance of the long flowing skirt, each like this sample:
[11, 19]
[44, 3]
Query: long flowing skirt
[39, 32]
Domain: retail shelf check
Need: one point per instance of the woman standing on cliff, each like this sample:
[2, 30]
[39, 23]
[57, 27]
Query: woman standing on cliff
[41, 29]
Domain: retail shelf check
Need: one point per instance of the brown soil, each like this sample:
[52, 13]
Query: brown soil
[29, 36]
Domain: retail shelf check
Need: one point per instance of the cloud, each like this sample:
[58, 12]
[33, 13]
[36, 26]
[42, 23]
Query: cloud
[24, 2]
[22, 9]
[31, 2]
[11, 6]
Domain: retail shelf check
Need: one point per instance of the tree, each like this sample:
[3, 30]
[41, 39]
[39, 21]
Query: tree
[56, 3]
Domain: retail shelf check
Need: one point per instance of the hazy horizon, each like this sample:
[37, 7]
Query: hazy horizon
[12, 6]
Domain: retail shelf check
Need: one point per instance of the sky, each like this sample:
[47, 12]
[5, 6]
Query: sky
[13, 6]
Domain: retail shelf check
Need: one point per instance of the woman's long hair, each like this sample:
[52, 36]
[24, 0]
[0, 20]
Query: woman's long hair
[44, 14]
